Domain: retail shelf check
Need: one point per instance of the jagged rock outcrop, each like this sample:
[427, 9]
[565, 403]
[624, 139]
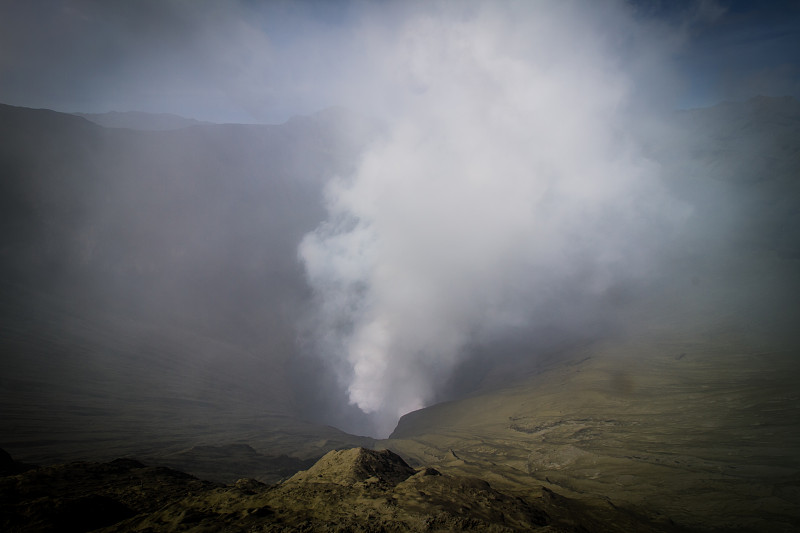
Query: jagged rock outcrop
[355, 490]
[10, 467]
[356, 465]
[85, 496]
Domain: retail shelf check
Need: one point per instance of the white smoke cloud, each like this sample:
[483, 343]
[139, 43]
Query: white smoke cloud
[510, 175]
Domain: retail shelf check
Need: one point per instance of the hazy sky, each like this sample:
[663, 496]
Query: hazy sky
[250, 61]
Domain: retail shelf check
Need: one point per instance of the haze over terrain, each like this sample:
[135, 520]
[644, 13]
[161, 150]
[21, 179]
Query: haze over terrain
[527, 182]
[550, 243]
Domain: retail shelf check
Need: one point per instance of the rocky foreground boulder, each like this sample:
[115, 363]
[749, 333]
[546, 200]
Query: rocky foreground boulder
[9, 467]
[86, 496]
[356, 465]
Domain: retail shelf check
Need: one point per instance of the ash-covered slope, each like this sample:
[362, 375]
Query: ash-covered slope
[198, 225]
[150, 289]
[696, 428]
[688, 412]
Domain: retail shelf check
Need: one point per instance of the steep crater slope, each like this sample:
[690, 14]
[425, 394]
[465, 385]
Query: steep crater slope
[150, 289]
[687, 411]
[694, 433]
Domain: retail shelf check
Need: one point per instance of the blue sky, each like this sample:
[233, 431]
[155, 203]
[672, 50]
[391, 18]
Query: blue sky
[249, 61]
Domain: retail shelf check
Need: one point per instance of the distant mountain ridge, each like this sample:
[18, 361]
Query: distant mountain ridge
[139, 120]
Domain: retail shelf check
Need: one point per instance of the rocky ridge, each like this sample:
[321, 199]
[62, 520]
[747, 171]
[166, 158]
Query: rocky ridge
[347, 490]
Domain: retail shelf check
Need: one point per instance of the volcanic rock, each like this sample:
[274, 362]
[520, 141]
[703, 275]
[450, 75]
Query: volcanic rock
[356, 465]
